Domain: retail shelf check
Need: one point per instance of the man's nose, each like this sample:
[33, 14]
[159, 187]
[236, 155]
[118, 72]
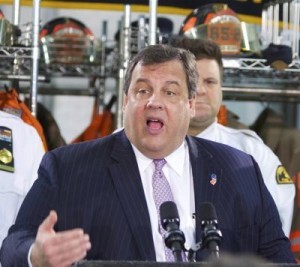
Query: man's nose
[201, 90]
[155, 101]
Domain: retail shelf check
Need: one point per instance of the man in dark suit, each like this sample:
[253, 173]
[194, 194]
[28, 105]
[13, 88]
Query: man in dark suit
[94, 200]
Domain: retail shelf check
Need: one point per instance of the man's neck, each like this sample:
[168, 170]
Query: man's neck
[197, 127]
[195, 130]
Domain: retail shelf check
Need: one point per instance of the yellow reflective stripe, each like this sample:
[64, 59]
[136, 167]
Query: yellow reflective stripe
[120, 7]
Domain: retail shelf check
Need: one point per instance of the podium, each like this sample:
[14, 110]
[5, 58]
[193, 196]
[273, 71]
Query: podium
[174, 264]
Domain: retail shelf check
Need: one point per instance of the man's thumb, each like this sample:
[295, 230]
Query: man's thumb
[49, 222]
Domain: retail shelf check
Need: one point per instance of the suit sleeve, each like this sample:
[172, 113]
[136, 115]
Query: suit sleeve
[273, 244]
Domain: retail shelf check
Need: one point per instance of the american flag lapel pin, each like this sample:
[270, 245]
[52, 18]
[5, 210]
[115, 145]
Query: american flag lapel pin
[213, 179]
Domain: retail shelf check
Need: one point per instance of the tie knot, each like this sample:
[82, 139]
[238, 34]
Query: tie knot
[159, 163]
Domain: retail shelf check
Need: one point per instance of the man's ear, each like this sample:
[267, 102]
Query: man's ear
[125, 101]
[192, 103]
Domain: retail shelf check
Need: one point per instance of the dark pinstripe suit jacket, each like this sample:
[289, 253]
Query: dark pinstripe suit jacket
[96, 185]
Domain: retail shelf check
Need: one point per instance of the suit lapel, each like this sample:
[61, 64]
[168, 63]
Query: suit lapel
[207, 178]
[128, 184]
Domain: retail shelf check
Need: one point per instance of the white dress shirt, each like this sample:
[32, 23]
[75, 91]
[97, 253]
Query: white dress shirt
[178, 172]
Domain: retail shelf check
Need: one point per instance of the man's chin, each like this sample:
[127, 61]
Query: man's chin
[202, 118]
[201, 121]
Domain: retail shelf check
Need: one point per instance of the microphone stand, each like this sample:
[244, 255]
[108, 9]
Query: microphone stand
[174, 240]
[210, 239]
[192, 251]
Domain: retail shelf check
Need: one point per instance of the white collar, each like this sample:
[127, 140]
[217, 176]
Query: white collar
[175, 160]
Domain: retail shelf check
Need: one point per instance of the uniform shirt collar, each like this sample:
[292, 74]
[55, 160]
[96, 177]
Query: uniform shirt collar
[209, 131]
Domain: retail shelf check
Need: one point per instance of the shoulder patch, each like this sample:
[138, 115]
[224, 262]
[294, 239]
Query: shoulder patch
[282, 176]
[6, 150]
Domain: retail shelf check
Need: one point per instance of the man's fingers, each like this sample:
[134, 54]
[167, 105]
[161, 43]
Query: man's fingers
[58, 248]
[67, 247]
[68, 236]
[49, 222]
[72, 250]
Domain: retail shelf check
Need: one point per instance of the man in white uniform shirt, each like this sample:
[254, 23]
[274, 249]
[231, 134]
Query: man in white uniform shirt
[21, 151]
[205, 125]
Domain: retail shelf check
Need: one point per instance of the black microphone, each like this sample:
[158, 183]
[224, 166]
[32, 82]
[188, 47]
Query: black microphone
[174, 238]
[211, 235]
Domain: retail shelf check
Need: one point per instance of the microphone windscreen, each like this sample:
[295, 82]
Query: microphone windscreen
[168, 210]
[207, 211]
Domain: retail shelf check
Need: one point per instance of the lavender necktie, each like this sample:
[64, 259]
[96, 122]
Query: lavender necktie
[161, 192]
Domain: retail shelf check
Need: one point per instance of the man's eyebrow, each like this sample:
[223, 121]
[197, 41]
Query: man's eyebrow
[142, 80]
[173, 82]
[145, 80]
